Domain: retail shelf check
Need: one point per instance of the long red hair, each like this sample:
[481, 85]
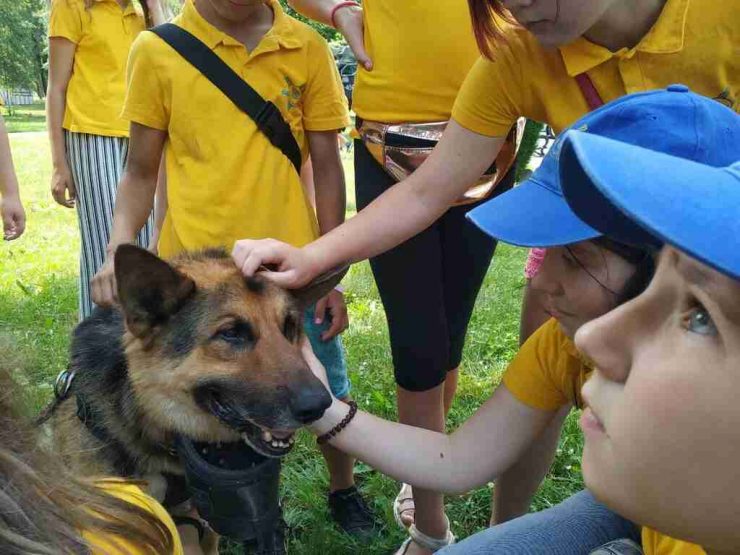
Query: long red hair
[487, 16]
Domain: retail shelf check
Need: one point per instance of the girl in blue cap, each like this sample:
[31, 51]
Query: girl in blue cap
[584, 276]
[662, 444]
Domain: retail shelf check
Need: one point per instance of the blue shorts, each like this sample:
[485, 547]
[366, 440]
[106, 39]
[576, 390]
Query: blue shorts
[330, 353]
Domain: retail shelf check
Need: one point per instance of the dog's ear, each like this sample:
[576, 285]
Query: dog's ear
[319, 287]
[149, 289]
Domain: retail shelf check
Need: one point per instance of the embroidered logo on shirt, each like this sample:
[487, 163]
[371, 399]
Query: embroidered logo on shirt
[292, 93]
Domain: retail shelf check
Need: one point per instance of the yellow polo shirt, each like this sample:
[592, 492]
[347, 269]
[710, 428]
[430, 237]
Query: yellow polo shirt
[548, 372]
[655, 543]
[103, 34]
[694, 42]
[105, 544]
[225, 180]
[421, 53]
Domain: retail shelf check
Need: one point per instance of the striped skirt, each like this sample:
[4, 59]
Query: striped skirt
[96, 163]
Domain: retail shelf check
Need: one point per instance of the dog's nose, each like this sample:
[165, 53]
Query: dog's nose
[309, 404]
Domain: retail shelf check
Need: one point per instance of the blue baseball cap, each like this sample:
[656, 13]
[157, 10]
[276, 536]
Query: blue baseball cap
[694, 207]
[673, 121]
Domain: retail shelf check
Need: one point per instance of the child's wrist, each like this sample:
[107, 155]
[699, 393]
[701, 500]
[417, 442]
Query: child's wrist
[10, 193]
[332, 416]
[315, 262]
[110, 250]
[338, 8]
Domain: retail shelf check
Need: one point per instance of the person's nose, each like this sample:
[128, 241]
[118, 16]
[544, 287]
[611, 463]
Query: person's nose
[608, 341]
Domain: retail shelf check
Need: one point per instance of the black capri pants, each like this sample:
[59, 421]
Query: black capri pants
[428, 285]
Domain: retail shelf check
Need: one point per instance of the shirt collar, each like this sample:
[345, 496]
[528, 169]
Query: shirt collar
[281, 34]
[130, 9]
[665, 37]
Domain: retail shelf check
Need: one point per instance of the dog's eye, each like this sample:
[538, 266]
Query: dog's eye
[239, 334]
[290, 327]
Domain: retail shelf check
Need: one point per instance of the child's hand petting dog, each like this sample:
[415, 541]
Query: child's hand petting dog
[334, 305]
[103, 288]
[293, 266]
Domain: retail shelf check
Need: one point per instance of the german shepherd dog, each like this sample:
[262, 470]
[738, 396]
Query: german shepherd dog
[196, 349]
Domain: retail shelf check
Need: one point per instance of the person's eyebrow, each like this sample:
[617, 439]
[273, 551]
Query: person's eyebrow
[586, 253]
[722, 290]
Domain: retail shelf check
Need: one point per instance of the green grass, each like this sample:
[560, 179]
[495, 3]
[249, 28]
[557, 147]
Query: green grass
[38, 298]
[20, 119]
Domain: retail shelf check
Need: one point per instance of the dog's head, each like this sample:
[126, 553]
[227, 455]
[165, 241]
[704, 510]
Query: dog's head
[214, 355]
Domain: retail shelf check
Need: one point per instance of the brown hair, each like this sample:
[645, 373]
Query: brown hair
[43, 508]
[487, 16]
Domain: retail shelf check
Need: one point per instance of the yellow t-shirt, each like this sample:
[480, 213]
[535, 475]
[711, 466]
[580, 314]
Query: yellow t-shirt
[692, 42]
[225, 180]
[104, 544]
[103, 34]
[548, 372]
[655, 543]
[421, 53]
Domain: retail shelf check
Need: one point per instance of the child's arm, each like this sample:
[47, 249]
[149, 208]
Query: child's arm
[328, 175]
[134, 203]
[160, 206]
[61, 60]
[483, 447]
[331, 200]
[349, 21]
[157, 14]
[14, 217]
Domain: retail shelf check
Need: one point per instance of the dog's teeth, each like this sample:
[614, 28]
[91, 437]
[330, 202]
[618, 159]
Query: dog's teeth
[291, 441]
[266, 436]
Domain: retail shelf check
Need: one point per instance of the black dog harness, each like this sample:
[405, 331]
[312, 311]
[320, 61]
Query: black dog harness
[238, 496]
[177, 491]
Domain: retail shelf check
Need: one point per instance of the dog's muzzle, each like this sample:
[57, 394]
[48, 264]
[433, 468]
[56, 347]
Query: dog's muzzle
[235, 489]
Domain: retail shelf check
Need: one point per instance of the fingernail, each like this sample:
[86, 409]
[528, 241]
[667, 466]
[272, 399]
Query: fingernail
[317, 320]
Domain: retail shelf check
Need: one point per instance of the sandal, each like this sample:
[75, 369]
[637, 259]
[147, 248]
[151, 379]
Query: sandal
[421, 539]
[403, 503]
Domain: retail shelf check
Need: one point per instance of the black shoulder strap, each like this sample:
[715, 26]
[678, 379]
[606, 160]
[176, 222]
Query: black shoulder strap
[264, 113]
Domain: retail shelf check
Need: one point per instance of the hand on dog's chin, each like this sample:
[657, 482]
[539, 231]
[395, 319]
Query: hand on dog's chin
[333, 416]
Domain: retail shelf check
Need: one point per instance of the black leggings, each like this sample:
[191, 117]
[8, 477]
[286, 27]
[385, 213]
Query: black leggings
[428, 284]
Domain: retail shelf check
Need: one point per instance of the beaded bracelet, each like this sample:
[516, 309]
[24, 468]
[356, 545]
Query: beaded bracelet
[341, 426]
[337, 7]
